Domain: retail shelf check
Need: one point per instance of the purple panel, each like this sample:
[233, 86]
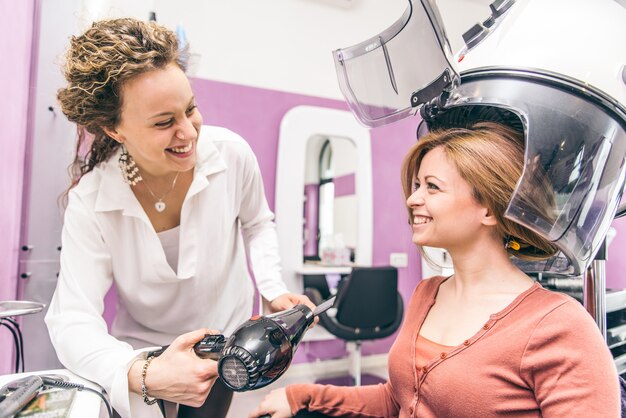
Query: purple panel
[344, 185]
[16, 21]
[255, 114]
[311, 192]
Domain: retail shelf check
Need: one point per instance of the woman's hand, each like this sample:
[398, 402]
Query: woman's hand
[289, 300]
[275, 404]
[178, 375]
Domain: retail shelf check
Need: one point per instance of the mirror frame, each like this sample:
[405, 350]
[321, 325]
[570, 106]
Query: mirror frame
[297, 126]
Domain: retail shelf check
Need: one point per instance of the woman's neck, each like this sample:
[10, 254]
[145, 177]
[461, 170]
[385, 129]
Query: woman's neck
[486, 268]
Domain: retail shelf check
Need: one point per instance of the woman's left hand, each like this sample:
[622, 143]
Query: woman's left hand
[274, 404]
[289, 300]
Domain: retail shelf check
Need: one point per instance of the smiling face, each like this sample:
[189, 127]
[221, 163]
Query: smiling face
[444, 212]
[459, 183]
[159, 124]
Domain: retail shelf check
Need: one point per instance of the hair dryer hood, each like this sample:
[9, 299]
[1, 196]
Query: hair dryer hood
[379, 76]
[387, 76]
[559, 80]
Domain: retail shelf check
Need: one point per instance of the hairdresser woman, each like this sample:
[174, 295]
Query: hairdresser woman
[164, 210]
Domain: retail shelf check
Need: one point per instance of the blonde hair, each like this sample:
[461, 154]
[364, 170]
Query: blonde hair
[490, 158]
[97, 65]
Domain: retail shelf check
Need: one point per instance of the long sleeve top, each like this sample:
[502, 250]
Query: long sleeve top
[542, 356]
[107, 238]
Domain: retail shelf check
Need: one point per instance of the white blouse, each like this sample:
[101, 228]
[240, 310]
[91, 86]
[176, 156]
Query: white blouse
[108, 239]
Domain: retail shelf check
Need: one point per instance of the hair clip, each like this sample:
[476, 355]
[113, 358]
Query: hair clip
[512, 244]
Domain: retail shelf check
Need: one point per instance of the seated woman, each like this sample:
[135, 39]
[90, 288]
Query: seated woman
[487, 341]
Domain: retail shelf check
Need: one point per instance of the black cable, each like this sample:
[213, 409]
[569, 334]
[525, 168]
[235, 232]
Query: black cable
[15, 341]
[10, 325]
[20, 345]
[21, 341]
[69, 385]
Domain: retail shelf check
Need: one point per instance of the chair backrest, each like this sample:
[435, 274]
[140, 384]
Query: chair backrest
[368, 298]
[319, 282]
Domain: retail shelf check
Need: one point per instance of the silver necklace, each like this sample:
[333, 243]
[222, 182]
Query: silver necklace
[159, 205]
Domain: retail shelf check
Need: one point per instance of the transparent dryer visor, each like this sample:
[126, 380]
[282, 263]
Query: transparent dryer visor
[409, 61]
[574, 156]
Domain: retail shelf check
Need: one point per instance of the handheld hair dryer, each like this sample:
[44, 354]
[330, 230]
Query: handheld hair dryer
[261, 349]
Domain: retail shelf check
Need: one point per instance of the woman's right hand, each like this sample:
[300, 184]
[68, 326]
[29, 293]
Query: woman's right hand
[178, 375]
[274, 404]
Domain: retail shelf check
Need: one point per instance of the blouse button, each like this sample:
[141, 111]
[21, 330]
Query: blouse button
[466, 343]
[486, 326]
[424, 369]
[442, 355]
[411, 411]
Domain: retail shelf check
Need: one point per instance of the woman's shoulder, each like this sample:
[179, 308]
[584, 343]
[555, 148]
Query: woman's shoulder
[429, 285]
[551, 310]
[546, 300]
[104, 180]
[91, 182]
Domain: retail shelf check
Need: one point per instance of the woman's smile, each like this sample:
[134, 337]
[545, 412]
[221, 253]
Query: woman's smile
[420, 221]
[182, 151]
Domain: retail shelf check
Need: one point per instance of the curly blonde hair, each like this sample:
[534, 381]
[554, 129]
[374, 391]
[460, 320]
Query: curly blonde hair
[490, 158]
[97, 65]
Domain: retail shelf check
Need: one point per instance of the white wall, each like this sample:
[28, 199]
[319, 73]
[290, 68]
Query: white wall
[282, 45]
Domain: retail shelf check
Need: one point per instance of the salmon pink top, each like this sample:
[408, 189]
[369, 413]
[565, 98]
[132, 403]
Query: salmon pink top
[541, 356]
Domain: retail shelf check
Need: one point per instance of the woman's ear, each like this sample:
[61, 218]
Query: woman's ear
[112, 133]
[488, 218]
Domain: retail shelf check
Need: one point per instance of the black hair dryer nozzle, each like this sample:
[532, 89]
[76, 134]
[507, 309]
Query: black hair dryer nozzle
[261, 349]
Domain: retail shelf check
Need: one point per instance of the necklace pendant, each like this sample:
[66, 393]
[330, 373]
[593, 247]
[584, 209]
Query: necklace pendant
[159, 206]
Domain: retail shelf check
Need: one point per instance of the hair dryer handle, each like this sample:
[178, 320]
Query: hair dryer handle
[210, 347]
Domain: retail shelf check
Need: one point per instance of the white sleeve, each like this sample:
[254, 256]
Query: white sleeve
[259, 230]
[77, 329]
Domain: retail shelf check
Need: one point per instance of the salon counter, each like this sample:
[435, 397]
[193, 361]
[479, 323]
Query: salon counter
[313, 268]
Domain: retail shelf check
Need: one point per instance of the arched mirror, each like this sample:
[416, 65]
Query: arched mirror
[330, 201]
[323, 193]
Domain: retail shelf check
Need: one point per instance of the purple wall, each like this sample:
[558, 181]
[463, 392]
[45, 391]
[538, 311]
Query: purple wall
[16, 25]
[256, 113]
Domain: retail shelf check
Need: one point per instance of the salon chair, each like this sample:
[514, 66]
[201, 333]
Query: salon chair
[319, 283]
[368, 307]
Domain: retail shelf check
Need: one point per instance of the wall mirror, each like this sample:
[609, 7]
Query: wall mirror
[330, 201]
[323, 190]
